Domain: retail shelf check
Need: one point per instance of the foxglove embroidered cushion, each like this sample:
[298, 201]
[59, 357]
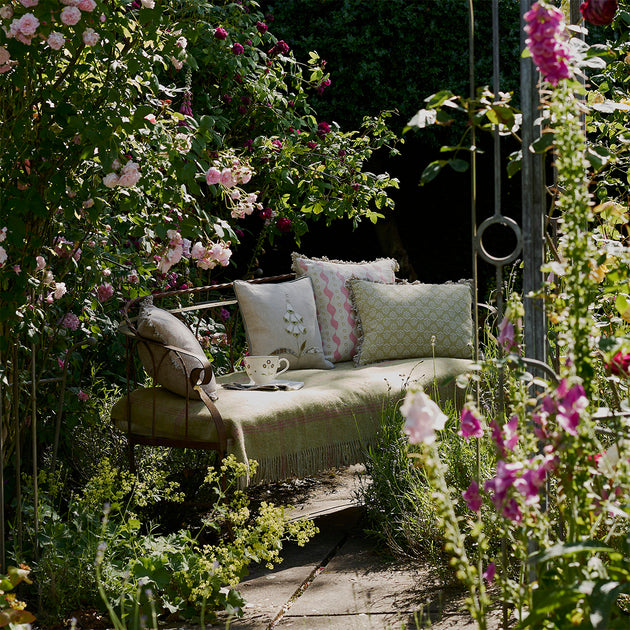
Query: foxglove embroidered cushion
[412, 320]
[336, 319]
[281, 319]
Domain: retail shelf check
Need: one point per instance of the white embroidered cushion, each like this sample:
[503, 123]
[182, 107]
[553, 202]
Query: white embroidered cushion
[412, 320]
[281, 319]
[336, 319]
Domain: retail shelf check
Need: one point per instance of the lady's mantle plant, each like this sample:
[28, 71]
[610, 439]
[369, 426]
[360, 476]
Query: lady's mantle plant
[558, 492]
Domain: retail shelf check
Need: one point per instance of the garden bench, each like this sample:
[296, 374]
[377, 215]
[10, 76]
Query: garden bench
[328, 422]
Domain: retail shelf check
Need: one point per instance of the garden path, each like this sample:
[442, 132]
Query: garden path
[338, 581]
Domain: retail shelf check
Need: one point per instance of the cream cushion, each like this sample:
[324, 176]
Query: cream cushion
[281, 319]
[168, 368]
[336, 318]
[412, 320]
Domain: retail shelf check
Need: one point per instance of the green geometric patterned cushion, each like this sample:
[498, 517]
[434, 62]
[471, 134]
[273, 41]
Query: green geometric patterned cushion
[404, 320]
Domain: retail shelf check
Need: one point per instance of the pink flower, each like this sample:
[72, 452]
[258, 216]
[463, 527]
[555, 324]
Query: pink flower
[83, 396]
[87, 5]
[56, 40]
[322, 129]
[70, 15]
[6, 12]
[198, 251]
[489, 573]
[177, 64]
[17, 270]
[5, 56]
[227, 179]
[148, 4]
[110, 180]
[130, 175]
[619, 364]
[221, 253]
[151, 118]
[280, 48]
[506, 334]
[284, 224]
[548, 42]
[422, 417]
[133, 277]
[261, 27]
[70, 321]
[41, 263]
[28, 24]
[472, 497]
[529, 484]
[470, 426]
[90, 37]
[213, 175]
[237, 48]
[104, 292]
[220, 33]
[29, 3]
[60, 290]
[599, 12]
[3, 232]
[3, 255]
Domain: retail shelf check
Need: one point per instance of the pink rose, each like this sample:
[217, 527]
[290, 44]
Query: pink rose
[130, 175]
[5, 55]
[87, 5]
[70, 15]
[3, 255]
[60, 290]
[56, 40]
[177, 64]
[90, 37]
[41, 263]
[197, 252]
[70, 321]
[29, 3]
[28, 24]
[110, 180]
[6, 12]
[213, 175]
[3, 234]
[104, 292]
[226, 178]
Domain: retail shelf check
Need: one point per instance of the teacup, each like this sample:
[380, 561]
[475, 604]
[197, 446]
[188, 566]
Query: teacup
[264, 369]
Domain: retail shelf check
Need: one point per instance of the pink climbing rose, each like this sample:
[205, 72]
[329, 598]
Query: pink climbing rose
[213, 176]
[87, 5]
[104, 292]
[28, 24]
[71, 321]
[90, 37]
[600, 12]
[56, 40]
[70, 15]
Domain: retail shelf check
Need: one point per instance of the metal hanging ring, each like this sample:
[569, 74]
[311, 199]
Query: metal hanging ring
[501, 220]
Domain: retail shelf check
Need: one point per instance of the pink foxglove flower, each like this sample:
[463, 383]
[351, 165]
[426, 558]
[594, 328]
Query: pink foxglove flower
[422, 417]
[470, 426]
[90, 37]
[56, 40]
[490, 572]
[70, 15]
[548, 41]
[600, 12]
[472, 497]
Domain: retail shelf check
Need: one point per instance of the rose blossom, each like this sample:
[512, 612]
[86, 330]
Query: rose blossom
[56, 40]
[148, 4]
[110, 180]
[177, 64]
[104, 292]
[60, 290]
[237, 48]
[284, 224]
[70, 321]
[29, 3]
[5, 55]
[6, 12]
[41, 263]
[422, 417]
[70, 15]
[227, 178]
[3, 255]
[90, 37]
[220, 33]
[3, 234]
[600, 12]
[213, 175]
[87, 5]
[130, 175]
[28, 24]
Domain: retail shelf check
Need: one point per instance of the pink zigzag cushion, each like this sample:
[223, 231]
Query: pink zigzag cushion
[332, 299]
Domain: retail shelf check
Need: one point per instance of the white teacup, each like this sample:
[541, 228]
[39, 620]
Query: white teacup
[264, 369]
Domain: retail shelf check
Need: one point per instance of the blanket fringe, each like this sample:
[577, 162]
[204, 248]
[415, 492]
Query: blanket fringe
[310, 461]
